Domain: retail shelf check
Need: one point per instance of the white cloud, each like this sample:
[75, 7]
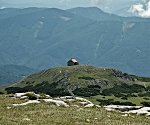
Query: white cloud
[142, 9]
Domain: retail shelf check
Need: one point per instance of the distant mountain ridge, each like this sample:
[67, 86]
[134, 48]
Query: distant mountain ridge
[13, 73]
[48, 37]
[94, 13]
[97, 14]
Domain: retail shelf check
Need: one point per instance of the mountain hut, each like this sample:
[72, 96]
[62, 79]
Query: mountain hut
[72, 62]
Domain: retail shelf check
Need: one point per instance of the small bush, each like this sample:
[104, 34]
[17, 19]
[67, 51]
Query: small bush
[124, 98]
[87, 92]
[86, 78]
[147, 104]
[124, 103]
[105, 102]
[13, 90]
[31, 96]
[123, 89]
[28, 82]
[112, 102]
[146, 94]
[146, 98]
[133, 95]
[43, 96]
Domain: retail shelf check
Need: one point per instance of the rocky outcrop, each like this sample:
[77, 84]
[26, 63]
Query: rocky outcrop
[65, 101]
[56, 102]
[139, 110]
[122, 75]
[71, 101]
[28, 102]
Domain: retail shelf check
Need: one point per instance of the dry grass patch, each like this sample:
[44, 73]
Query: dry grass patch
[47, 114]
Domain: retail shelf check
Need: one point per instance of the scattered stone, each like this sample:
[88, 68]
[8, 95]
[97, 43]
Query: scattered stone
[139, 110]
[26, 119]
[70, 100]
[89, 105]
[88, 120]
[31, 96]
[84, 103]
[8, 107]
[82, 99]
[19, 95]
[125, 115]
[48, 96]
[67, 98]
[24, 97]
[62, 101]
[80, 109]
[57, 102]
[98, 106]
[108, 116]
[75, 106]
[121, 108]
[109, 109]
[26, 103]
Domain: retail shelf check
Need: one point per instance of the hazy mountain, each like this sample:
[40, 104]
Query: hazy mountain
[12, 73]
[94, 13]
[97, 14]
[41, 38]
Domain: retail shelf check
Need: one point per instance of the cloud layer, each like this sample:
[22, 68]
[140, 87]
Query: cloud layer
[142, 9]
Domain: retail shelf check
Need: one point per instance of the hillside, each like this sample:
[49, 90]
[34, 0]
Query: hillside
[45, 114]
[40, 38]
[87, 81]
[13, 73]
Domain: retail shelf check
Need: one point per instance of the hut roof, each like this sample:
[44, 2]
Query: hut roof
[73, 60]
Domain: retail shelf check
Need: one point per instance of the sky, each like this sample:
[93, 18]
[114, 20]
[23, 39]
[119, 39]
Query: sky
[140, 7]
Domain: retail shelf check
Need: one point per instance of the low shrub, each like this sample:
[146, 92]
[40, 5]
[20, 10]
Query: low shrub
[146, 94]
[146, 98]
[112, 102]
[147, 104]
[87, 92]
[123, 89]
[124, 98]
[31, 96]
[43, 96]
[1, 93]
[86, 78]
